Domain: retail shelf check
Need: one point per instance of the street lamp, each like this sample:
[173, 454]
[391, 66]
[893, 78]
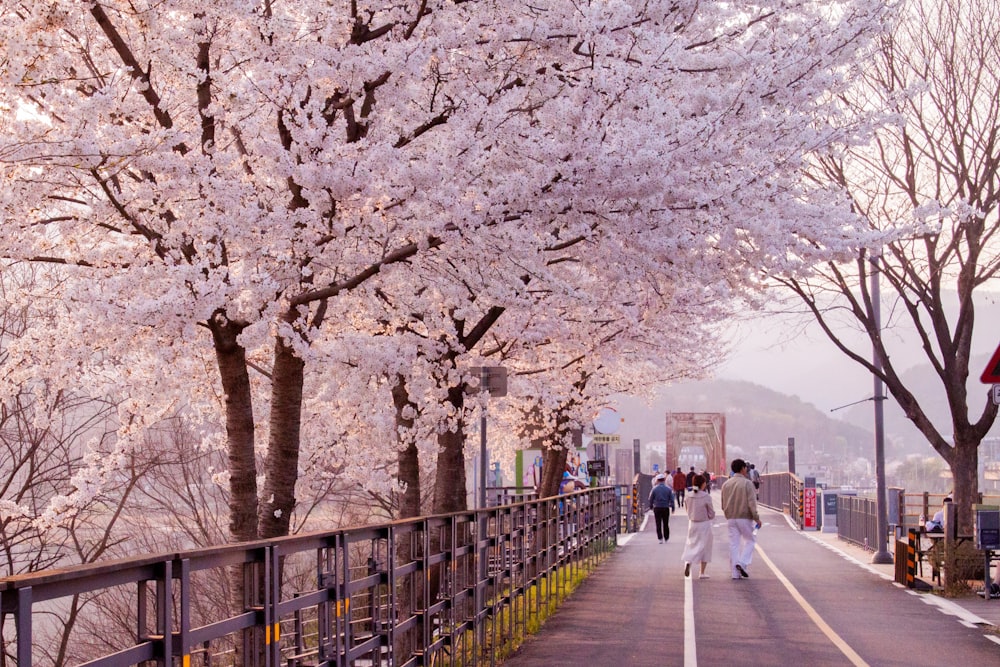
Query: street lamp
[492, 379]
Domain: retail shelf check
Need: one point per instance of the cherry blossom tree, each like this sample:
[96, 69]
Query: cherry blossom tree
[927, 186]
[229, 189]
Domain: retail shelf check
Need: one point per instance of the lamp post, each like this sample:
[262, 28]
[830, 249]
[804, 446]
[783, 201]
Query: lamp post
[881, 555]
[492, 379]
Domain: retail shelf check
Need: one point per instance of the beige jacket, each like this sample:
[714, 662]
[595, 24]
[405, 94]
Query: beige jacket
[739, 499]
[699, 506]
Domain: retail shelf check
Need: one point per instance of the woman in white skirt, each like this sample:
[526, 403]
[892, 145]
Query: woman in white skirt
[698, 547]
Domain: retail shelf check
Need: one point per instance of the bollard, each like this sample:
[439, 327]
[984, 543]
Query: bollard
[912, 535]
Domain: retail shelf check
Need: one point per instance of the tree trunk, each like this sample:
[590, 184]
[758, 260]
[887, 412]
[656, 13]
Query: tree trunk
[281, 467]
[964, 465]
[553, 467]
[231, 358]
[450, 493]
[410, 593]
[408, 458]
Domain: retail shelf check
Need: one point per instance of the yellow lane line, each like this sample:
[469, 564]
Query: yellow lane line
[816, 618]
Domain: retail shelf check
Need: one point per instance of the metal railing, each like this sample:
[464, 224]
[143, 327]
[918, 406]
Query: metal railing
[857, 516]
[857, 522]
[438, 590]
[780, 491]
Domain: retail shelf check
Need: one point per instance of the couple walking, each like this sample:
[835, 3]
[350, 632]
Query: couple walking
[739, 504]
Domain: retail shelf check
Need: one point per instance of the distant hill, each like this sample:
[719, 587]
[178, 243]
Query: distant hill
[901, 435]
[755, 417]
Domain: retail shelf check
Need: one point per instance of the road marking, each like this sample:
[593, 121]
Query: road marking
[816, 618]
[690, 641]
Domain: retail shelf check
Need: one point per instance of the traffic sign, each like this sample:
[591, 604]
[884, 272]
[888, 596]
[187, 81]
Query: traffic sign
[992, 373]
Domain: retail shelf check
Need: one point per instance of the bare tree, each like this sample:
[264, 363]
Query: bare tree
[928, 185]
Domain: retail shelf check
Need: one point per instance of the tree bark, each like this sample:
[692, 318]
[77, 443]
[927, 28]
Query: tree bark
[449, 486]
[281, 467]
[408, 458]
[553, 467]
[410, 592]
[231, 358]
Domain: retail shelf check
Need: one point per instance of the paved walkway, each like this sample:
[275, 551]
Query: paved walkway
[811, 599]
[977, 608]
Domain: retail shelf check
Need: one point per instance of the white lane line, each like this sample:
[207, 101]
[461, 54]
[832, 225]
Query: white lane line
[843, 646]
[690, 641]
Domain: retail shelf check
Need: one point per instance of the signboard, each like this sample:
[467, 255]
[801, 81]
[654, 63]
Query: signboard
[987, 527]
[602, 439]
[809, 508]
[491, 378]
[528, 468]
[829, 504]
[597, 468]
[992, 373]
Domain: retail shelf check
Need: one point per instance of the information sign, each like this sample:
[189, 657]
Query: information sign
[809, 508]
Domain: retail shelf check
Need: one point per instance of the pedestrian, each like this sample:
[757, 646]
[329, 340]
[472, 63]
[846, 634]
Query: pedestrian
[700, 511]
[690, 478]
[754, 476]
[680, 484]
[661, 499]
[739, 504]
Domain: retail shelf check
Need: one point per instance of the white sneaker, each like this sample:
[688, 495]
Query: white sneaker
[661, 541]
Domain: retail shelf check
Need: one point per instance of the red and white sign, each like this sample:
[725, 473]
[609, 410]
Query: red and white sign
[992, 373]
[809, 508]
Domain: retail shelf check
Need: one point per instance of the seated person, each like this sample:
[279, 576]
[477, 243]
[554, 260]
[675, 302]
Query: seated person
[936, 524]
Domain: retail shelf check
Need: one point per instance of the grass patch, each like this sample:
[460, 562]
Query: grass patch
[525, 614]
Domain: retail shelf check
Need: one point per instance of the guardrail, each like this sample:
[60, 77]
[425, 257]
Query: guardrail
[437, 590]
[781, 491]
[857, 517]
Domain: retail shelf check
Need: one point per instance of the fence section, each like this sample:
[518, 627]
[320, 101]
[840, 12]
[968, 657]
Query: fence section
[439, 590]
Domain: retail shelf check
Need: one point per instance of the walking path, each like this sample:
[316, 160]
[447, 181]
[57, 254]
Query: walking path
[810, 599]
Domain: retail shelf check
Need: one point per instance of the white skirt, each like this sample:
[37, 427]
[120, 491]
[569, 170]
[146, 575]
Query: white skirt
[698, 547]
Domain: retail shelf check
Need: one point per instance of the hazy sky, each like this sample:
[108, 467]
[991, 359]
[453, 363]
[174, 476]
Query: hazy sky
[799, 360]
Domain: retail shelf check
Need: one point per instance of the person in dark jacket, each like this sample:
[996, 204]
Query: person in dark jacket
[661, 499]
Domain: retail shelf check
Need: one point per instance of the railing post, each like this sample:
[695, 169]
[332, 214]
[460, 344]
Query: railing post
[164, 612]
[183, 649]
[22, 624]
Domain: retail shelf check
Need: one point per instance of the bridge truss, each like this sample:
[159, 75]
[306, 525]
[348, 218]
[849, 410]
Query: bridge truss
[704, 430]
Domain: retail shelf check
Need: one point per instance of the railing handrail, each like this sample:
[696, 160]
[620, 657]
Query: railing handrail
[420, 585]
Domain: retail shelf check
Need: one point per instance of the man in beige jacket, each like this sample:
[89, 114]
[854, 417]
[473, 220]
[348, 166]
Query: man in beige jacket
[739, 504]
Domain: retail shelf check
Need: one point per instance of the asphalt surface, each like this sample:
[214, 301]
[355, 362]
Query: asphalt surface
[811, 599]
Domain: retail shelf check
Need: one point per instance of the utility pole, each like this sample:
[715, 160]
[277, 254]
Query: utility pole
[881, 555]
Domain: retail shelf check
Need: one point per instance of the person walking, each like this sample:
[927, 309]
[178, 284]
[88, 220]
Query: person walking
[661, 499]
[698, 546]
[680, 484]
[739, 504]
